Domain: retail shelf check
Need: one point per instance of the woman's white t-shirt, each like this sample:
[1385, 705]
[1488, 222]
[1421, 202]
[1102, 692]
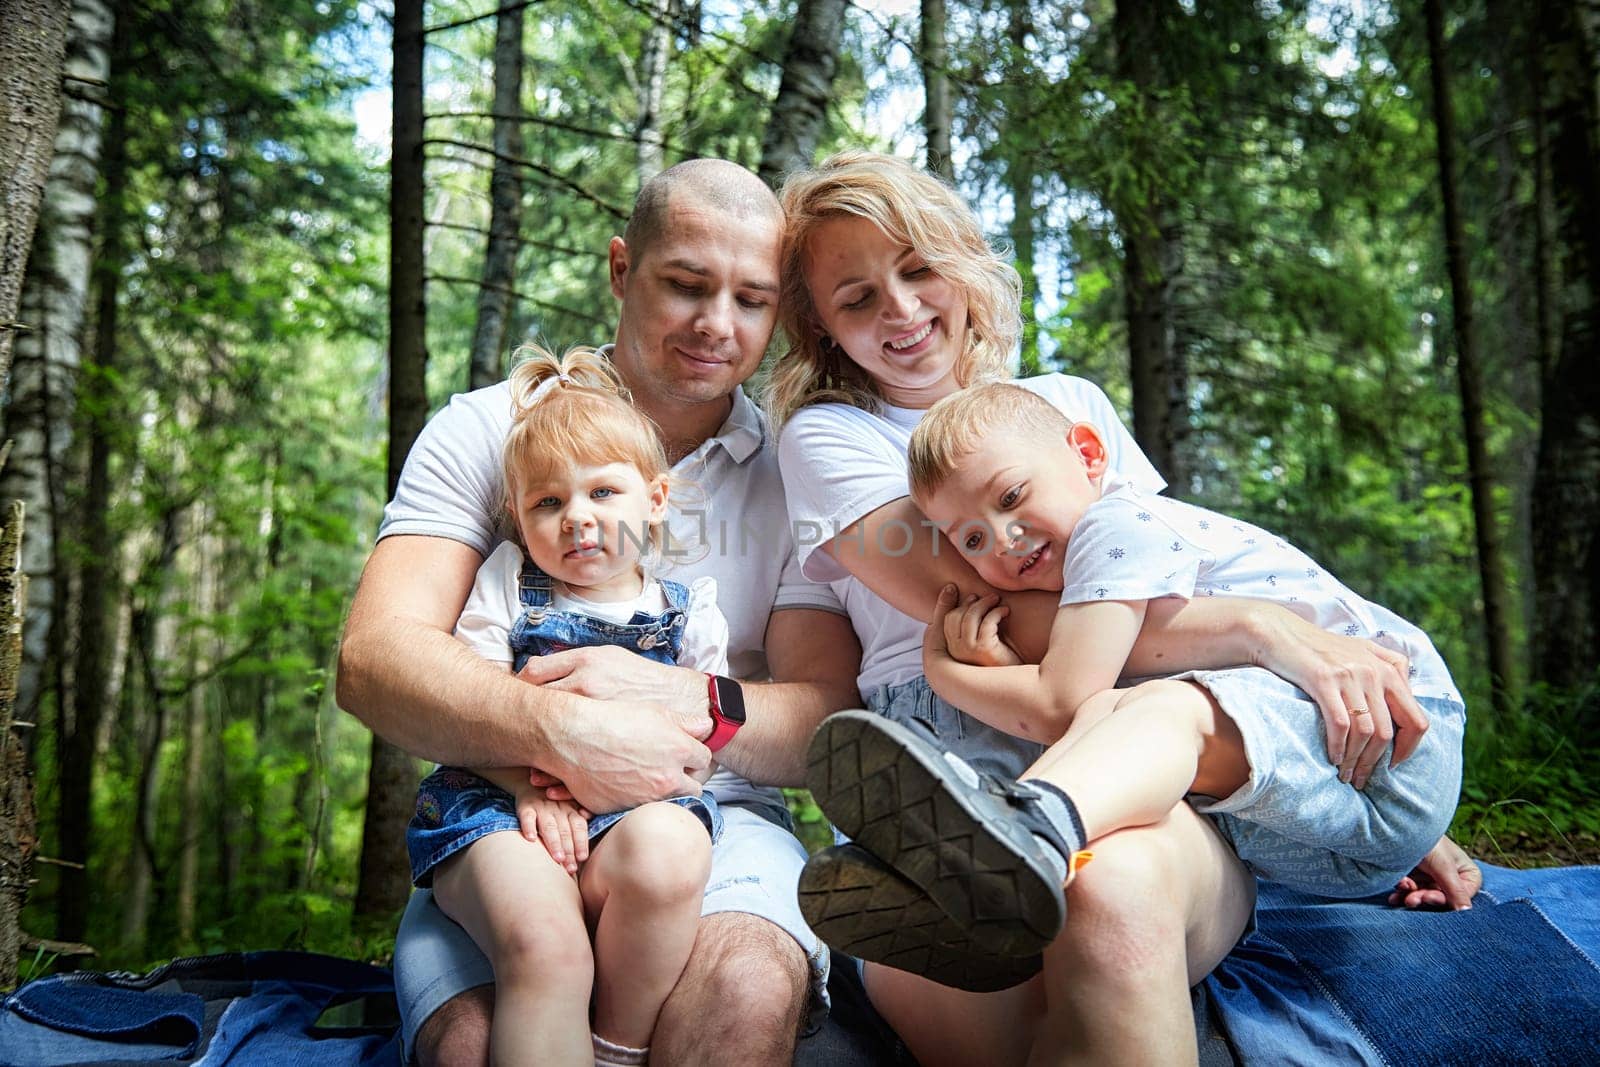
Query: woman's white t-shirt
[841, 463]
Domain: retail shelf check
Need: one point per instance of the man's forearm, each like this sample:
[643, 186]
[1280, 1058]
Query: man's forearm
[459, 709]
[771, 748]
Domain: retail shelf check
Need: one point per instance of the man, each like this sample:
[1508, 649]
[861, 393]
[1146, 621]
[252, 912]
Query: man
[696, 274]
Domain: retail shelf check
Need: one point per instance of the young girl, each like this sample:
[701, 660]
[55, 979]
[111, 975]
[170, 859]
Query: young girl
[586, 487]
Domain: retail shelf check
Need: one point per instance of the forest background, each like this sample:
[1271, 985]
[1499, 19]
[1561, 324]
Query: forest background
[1338, 262]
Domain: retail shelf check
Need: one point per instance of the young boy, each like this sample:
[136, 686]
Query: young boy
[1022, 492]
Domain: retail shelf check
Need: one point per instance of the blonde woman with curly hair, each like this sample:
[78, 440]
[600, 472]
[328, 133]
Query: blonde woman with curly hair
[892, 300]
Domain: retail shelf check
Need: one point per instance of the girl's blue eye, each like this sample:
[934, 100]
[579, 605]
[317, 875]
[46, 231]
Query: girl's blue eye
[601, 493]
[547, 502]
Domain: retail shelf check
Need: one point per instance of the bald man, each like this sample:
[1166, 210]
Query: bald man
[696, 274]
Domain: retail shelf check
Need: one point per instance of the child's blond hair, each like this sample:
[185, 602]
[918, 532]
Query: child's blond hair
[574, 409]
[954, 426]
[912, 207]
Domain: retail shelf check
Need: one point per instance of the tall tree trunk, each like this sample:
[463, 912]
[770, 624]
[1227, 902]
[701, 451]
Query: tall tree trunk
[935, 60]
[1152, 257]
[1497, 608]
[647, 130]
[44, 369]
[505, 205]
[809, 64]
[194, 748]
[98, 403]
[154, 625]
[30, 106]
[18, 831]
[1020, 173]
[1566, 497]
[392, 776]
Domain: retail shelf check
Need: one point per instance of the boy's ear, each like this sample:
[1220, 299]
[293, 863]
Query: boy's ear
[658, 499]
[1085, 440]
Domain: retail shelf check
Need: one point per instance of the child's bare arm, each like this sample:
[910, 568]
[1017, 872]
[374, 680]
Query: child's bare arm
[1089, 645]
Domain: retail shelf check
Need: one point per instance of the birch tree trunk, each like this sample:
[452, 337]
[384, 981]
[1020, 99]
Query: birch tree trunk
[1020, 174]
[647, 131]
[30, 105]
[384, 882]
[1469, 377]
[1151, 259]
[935, 60]
[809, 63]
[97, 402]
[1566, 496]
[45, 362]
[505, 205]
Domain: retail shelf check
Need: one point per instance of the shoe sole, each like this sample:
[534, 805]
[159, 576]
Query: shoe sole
[862, 907]
[892, 792]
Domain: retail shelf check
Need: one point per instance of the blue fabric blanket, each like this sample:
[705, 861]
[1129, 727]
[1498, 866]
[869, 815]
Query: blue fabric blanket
[1512, 981]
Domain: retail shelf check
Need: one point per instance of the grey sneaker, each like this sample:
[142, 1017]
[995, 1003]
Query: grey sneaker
[860, 906]
[964, 838]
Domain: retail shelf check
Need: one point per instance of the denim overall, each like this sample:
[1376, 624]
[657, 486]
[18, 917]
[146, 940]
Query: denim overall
[456, 807]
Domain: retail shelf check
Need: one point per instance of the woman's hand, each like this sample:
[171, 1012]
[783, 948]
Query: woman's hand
[1361, 687]
[1445, 878]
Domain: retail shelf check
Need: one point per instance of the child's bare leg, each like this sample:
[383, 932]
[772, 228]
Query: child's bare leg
[1129, 767]
[524, 912]
[642, 890]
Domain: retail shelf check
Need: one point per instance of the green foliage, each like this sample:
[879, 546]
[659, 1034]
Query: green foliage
[1530, 790]
[245, 412]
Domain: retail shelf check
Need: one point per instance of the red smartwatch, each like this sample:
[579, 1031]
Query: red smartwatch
[727, 709]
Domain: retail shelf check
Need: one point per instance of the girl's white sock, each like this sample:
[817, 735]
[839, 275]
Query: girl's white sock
[610, 1054]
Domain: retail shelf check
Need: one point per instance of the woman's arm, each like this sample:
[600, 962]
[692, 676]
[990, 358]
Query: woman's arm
[903, 558]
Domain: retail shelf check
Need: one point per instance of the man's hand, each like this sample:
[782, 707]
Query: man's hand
[607, 672]
[1445, 878]
[562, 825]
[620, 755]
[1361, 687]
[970, 631]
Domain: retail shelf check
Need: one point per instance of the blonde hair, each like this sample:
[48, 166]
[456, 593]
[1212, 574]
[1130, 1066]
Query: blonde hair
[954, 426]
[586, 416]
[914, 208]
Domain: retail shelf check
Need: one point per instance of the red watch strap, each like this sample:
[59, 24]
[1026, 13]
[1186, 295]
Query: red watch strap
[722, 730]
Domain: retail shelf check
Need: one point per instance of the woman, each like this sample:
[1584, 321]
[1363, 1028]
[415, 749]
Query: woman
[892, 299]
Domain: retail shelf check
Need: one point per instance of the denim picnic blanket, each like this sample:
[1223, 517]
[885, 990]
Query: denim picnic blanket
[1512, 981]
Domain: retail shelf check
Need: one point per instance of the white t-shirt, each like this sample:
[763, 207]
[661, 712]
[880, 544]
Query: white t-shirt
[841, 463]
[1132, 545]
[495, 604]
[736, 524]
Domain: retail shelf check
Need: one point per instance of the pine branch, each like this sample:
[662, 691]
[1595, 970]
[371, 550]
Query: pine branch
[528, 242]
[583, 316]
[496, 13]
[557, 124]
[537, 168]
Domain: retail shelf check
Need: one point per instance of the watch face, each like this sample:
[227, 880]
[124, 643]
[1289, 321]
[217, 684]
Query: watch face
[730, 700]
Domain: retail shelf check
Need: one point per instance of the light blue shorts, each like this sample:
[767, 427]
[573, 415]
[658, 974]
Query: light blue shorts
[755, 869]
[1296, 824]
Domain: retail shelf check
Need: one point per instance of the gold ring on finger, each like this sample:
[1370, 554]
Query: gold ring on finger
[1359, 711]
